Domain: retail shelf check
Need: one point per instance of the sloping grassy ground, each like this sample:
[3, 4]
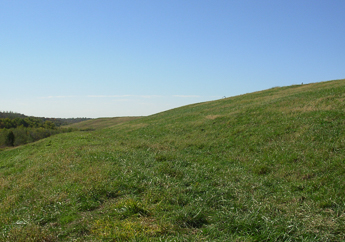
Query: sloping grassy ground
[265, 166]
[99, 123]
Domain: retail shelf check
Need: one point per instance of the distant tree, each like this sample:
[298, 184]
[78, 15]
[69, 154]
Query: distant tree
[49, 125]
[20, 122]
[10, 139]
[8, 123]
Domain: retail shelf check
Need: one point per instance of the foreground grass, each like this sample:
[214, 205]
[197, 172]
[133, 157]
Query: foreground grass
[266, 166]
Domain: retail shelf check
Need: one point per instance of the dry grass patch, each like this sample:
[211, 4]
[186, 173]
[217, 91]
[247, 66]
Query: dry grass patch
[30, 233]
[212, 117]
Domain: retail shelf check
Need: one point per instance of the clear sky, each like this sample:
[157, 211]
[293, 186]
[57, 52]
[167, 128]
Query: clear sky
[82, 58]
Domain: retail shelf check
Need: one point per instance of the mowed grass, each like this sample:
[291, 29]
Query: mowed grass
[99, 123]
[265, 166]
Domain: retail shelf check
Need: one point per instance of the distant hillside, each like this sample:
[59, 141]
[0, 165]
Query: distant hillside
[12, 115]
[264, 166]
[57, 121]
[100, 123]
[18, 129]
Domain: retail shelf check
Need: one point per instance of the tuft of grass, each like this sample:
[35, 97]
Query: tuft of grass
[191, 218]
[130, 207]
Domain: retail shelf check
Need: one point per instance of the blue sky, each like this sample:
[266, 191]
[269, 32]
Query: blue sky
[81, 58]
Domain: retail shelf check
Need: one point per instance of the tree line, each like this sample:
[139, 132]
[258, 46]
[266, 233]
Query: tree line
[18, 129]
[57, 121]
[22, 135]
[7, 123]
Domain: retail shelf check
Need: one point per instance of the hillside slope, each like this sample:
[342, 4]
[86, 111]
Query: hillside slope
[265, 166]
[100, 123]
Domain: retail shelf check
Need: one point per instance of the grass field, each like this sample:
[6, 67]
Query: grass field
[265, 166]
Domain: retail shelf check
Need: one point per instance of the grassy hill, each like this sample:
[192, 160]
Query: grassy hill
[100, 123]
[265, 166]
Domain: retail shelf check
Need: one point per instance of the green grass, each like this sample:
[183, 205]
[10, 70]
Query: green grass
[265, 166]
